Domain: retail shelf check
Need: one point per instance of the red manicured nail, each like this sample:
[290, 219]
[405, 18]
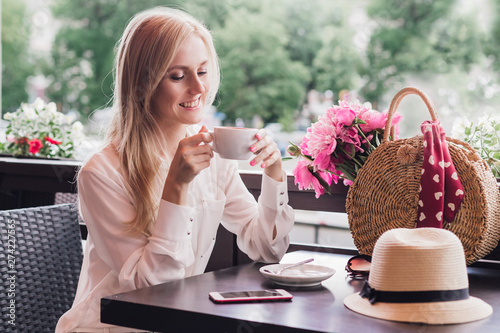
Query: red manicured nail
[252, 149]
[258, 136]
[252, 163]
[263, 165]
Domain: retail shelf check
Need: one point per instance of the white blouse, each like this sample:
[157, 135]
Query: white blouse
[182, 240]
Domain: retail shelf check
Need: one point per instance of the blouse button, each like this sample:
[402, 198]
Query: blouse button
[281, 193]
[281, 203]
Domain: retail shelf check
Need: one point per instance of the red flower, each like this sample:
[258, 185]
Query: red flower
[22, 140]
[52, 141]
[35, 145]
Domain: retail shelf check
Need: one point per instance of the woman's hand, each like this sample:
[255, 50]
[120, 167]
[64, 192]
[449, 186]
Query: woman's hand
[192, 155]
[268, 155]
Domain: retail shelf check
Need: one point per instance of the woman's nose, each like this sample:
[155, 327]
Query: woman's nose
[196, 85]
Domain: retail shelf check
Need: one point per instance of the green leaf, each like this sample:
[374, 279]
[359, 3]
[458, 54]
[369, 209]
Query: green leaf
[322, 182]
[358, 121]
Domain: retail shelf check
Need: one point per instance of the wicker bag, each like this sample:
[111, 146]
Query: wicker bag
[385, 193]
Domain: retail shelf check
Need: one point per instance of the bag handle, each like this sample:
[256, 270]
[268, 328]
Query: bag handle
[395, 103]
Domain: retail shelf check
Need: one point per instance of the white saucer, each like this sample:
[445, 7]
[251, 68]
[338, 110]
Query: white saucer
[302, 276]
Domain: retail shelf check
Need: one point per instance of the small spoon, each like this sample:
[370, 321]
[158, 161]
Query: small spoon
[279, 271]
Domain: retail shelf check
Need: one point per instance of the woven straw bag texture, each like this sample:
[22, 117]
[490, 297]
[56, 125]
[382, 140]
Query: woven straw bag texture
[41, 274]
[385, 193]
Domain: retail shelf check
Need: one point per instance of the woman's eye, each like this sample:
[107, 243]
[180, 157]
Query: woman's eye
[177, 78]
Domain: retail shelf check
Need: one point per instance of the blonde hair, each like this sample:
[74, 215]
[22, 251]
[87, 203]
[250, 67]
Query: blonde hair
[145, 52]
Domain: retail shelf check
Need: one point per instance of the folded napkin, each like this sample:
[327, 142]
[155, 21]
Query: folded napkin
[441, 192]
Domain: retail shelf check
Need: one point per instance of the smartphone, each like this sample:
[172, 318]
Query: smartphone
[250, 296]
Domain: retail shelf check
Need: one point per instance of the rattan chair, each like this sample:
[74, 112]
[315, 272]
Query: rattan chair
[40, 258]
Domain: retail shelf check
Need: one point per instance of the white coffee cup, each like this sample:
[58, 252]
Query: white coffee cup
[233, 142]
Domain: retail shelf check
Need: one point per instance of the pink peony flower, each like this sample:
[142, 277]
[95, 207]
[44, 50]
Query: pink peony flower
[395, 121]
[373, 120]
[330, 177]
[347, 182]
[323, 162]
[305, 179]
[345, 116]
[356, 107]
[320, 138]
[350, 135]
[337, 145]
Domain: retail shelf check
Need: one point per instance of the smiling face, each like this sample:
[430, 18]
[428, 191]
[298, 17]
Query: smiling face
[181, 96]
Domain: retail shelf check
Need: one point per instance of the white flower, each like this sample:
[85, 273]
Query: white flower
[38, 104]
[76, 133]
[39, 120]
[486, 123]
[482, 121]
[30, 113]
[51, 107]
[368, 105]
[9, 116]
[69, 119]
[10, 138]
[459, 126]
[45, 116]
[483, 137]
[58, 118]
[77, 127]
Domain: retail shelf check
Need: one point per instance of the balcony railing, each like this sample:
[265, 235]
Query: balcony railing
[35, 182]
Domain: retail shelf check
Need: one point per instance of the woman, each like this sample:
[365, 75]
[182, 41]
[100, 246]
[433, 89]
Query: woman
[155, 194]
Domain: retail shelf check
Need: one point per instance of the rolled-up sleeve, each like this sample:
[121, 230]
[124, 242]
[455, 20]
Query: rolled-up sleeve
[253, 222]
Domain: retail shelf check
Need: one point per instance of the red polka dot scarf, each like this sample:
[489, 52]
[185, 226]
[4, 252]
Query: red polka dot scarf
[441, 192]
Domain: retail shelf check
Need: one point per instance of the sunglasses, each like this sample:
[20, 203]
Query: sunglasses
[358, 266]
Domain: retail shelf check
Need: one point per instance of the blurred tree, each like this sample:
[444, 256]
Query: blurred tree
[321, 40]
[413, 37]
[259, 78]
[16, 66]
[83, 51]
[337, 62]
[212, 13]
[263, 47]
[305, 33]
[492, 44]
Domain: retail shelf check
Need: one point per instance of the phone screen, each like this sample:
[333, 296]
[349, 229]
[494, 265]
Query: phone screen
[256, 293]
[249, 296]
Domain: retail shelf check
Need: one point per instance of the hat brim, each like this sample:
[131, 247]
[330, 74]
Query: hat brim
[453, 312]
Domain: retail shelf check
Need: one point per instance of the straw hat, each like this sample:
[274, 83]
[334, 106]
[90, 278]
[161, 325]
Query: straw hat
[419, 276]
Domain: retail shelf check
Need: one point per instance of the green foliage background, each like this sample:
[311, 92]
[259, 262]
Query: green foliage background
[272, 52]
[16, 66]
